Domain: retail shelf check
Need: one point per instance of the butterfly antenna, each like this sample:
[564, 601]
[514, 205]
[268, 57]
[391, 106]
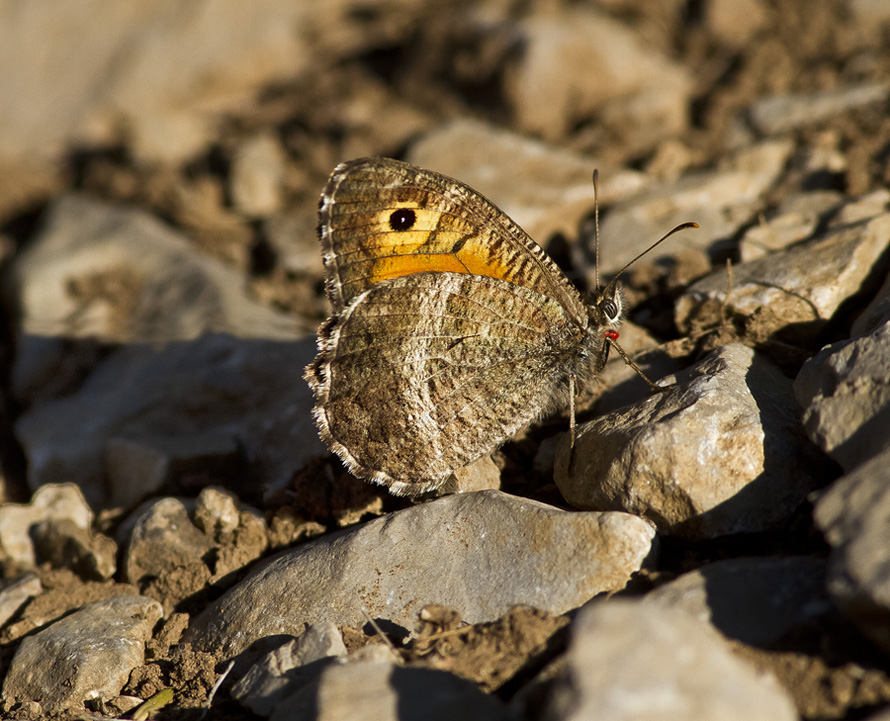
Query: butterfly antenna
[682, 226]
[596, 228]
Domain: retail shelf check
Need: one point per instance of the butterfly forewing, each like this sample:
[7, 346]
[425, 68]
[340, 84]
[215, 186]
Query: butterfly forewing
[381, 218]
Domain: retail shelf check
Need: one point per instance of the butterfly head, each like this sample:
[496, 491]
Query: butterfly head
[606, 308]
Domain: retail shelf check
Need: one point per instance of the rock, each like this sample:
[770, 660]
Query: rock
[602, 67]
[797, 291]
[169, 558]
[870, 15]
[796, 219]
[66, 545]
[139, 466]
[165, 75]
[124, 704]
[546, 190]
[632, 660]
[735, 22]
[854, 515]
[293, 238]
[784, 113]
[721, 452]
[382, 691]
[478, 553]
[61, 502]
[757, 601]
[15, 592]
[720, 201]
[167, 554]
[282, 671]
[481, 475]
[883, 715]
[865, 207]
[257, 175]
[216, 512]
[87, 655]
[80, 279]
[173, 408]
[875, 314]
[845, 393]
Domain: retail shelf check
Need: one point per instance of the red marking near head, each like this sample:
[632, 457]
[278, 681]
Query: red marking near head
[613, 334]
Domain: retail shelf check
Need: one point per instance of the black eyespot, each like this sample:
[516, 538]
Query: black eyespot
[402, 219]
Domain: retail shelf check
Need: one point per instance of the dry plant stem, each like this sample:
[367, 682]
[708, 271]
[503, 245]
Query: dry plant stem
[215, 688]
[379, 632]
[572, 411]
[725, 305]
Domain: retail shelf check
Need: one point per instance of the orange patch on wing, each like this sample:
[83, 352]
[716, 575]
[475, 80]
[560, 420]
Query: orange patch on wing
[461, 262]
[427, 247]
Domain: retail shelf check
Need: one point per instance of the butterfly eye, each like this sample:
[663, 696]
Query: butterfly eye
[402, 219]
[611, 310]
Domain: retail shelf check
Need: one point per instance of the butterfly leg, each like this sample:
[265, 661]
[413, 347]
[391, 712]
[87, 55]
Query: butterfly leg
[634, 366]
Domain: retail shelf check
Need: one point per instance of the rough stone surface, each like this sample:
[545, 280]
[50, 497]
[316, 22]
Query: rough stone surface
[797, 290]
[257, 180]
[630, 660]
[61, 502]
[282, 671]
[797, 219]
[66, 545]
[87, 655]
[481, 475]
[754, 600]
[845, 393]
[783, 113]
[80, 279]
[382, 691]
[720, 201]
[520, 551]
[153, 69]
[720, 452]
[216, 511]
[876, 313]
[612, 72]
[16, 592]
[165, 538]
[854, 515]
[187, 402]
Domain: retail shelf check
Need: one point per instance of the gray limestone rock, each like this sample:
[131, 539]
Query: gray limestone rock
[281, 672]
[720, 452]
[757, 601]
[17, 521]
[87, 655]
[378, 690]
[149, 416]
[478, 553]
[845, 392]
[798, 290]
[629, 660]
[854, 515]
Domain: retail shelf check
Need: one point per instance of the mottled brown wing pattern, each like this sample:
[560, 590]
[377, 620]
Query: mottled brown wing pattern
[418, 376]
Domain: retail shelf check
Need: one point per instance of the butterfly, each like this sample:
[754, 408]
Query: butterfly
[451, 329]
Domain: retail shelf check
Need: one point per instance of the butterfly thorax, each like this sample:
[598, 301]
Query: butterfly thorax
[605, 309]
